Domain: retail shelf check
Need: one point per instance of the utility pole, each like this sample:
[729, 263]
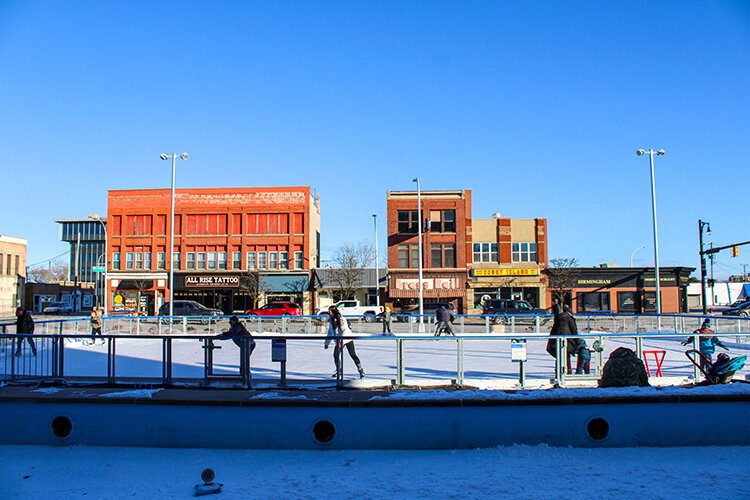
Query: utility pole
[701, 225]
[75, 273]
[712, 257]
[744, 272]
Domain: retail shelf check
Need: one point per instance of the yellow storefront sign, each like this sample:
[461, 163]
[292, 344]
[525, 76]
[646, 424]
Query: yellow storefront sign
[507, 272]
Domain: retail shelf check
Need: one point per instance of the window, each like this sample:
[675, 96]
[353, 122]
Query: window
[403, 256]
[116, 260]
[212, 260]
[443, 255]
[1, 263]
[161, 260]
[407, 221]
[128, 260]
[273, 260]
[251, 260]
[147, 260]
[485, 252]
[299, 260]
[176, 259]
[627, 302]
[443, 221]
[593, 301]
[524, 252]
[261, 260]
[222, 260]
[191, 260]
[236, 260]
[283, 260]
[201, 260]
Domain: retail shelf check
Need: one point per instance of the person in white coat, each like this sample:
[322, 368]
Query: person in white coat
[338, 327]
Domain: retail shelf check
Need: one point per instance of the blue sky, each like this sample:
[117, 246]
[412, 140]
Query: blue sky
[538, 107]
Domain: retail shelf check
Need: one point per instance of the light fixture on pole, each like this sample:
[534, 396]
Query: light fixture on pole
[651, 154]
[164, 156]
[701, 226]
[377, 271]
[419, 247]
[105, 291]
[633, 254]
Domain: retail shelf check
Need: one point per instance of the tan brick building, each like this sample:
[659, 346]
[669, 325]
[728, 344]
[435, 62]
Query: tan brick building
[12, 273]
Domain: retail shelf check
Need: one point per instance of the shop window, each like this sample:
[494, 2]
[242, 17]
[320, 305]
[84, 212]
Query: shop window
[222, 260]
[116, 260]
[627, 302]
[283, 260]
[261, 260]
[190, 260]
[407, 221]
[649, 302]
[128, 260]
[485, 252]
[273, 260]
[201, 260]
[236, 260]
[524, 252]
[161, 260]
[251, 260]
[593, 301]
[211, 260]
[299, 260]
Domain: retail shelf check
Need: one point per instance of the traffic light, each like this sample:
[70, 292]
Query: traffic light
[736, 251]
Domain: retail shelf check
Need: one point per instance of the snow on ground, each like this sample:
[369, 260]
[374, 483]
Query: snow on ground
[34, 472]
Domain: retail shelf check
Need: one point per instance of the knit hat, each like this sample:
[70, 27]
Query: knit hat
[706, 323]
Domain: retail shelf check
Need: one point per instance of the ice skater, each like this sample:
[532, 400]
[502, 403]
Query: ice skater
[242, 338]
[339, 327]
[25, 327]
[443, 317]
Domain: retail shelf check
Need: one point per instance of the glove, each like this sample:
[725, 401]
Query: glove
[325, 346]
[685, 343]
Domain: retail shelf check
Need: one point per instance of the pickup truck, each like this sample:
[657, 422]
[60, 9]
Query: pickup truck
[353, 308]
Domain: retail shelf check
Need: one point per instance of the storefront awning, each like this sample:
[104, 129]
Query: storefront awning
[285, 283]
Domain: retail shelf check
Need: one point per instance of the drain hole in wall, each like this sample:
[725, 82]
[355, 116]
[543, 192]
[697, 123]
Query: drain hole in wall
[598, 428]
[61, 427]
[323, 431]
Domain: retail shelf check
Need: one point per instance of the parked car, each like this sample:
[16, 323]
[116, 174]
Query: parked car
[411, 315]
[741, 309]
[354, 308]
[189, 308]
[57, 308]
[276, 309]
[497, 309]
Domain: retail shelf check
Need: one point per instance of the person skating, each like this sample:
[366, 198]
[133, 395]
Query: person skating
[25, 327]
[387, 320]
[443, 317]
[707, 343]
[339, 327]
[564, 324]
[96, 324]
[241, 337]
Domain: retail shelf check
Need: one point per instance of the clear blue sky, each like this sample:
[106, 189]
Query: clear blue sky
[538, 107]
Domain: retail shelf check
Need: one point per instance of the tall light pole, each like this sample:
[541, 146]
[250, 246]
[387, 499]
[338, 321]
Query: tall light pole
[105, 290]
[377, 271]
[701, 226]
[633, 254]
[651, 154]
[164, 156]
[419, 247]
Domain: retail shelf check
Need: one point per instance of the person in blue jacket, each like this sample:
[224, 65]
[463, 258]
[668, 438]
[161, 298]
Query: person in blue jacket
[707, 343]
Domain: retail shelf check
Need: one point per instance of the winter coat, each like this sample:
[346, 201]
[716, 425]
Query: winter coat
[583, 351]
[565, 324]
[237, 333]
[25, 323]
[707, 344]
[623, 369]
[335, 333]
[443, 315]
[96, 320]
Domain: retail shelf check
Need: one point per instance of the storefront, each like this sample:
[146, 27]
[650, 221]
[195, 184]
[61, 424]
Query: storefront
[403, 289]
[507, 283]
[136, 293]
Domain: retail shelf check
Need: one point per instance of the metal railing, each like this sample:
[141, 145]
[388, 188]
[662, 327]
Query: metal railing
[181, 350]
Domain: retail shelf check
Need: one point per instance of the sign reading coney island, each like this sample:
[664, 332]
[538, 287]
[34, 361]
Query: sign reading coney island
[534, 271]
[203, 281]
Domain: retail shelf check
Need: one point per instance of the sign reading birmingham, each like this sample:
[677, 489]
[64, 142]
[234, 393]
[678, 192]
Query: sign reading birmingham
[199, 281]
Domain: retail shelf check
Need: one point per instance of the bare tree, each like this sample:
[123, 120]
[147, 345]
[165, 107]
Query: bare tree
[562, 275]
[349, 260]
[56, 272]
[252, 282]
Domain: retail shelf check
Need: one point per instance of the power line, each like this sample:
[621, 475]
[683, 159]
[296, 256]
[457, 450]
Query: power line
[47, 260]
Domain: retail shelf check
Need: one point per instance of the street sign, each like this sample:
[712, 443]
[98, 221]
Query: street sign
[278, 350]
[517, 350]
[99, 269]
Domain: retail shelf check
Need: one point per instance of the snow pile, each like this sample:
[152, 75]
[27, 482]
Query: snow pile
[278, 395]
[137, 393]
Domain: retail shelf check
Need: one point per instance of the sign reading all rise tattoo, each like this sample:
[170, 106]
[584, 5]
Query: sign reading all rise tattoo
[202, 281]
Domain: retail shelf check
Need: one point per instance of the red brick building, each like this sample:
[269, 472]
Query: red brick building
[231, 245]
[446, 224]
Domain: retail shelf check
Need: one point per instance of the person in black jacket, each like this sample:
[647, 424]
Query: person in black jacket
[564, 324]
[443, 317]
[25, 327]
[242, 338]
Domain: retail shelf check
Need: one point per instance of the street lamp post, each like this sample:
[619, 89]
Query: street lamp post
[419, 247]
[164, 156]
[651, 154]
[633, 254]
[701, 226]
[377, 271]
[105, 288]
